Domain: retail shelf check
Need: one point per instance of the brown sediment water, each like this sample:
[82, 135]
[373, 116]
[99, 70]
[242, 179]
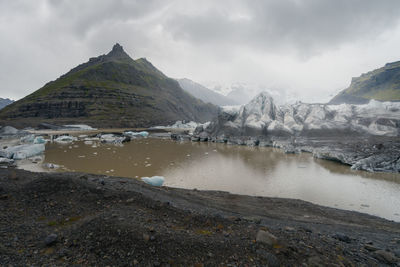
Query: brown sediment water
[259, 171]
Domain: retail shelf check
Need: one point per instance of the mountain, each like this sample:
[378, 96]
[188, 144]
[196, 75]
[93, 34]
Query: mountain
[205, 94]
[5, 102]
[382, 84]
[110, 90]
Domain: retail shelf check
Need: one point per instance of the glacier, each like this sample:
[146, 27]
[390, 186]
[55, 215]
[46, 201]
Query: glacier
[366, 137]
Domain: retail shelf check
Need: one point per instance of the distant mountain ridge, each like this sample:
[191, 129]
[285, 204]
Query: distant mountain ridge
[382, 84]
[205, 94]
[111, 90]
[5, 102]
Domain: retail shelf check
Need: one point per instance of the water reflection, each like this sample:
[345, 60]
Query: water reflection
[238, 169]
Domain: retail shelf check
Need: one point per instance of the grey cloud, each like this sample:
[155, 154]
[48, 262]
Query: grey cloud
[305, 26]
[41, 39]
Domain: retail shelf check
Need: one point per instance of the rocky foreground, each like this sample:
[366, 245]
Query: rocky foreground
[72, 219]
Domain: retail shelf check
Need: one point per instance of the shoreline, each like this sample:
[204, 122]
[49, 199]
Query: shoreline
[92, 211]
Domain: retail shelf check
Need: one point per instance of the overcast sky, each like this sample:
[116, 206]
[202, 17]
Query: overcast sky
[310, 48]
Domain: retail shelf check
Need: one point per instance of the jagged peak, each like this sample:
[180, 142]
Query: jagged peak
[118, 52]
[117, 47]
[262, 97]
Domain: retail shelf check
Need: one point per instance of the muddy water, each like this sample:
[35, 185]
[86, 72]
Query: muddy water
[238, 169]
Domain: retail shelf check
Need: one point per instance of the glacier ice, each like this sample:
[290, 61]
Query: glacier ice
[136, 134]
[28, 138]
[8, 130]
[111, 139]
[79, 127]
[154, 180]
[65, 139]
[262, 116]
[22, 151]
[39, 140]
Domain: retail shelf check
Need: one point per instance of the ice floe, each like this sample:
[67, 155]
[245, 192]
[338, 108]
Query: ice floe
[22, 151]
[136, 134]
[154, 180]
[65, 139]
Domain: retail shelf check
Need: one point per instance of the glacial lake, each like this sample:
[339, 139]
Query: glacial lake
[257, 171]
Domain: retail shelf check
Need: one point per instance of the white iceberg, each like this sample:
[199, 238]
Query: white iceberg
[51, 166]
[154, 180]
[79, 127]
[28, 138]
[182, 125]
[111, 139]
[6, 160]
[39, 140]
[8, 130]
[22, 151]
[135, 134]
[65, 139]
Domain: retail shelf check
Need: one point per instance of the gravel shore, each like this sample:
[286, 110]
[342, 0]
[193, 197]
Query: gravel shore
[76, 219]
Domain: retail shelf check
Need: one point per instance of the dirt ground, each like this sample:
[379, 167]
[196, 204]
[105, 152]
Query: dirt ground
[75, 219]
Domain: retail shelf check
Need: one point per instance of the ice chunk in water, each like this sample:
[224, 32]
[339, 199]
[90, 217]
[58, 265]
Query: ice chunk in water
[112, 139]
[79, 127]
[65, 139]
[135, 134]
[39, 140]
[154, 180]
[22, 151]
[51, 166]
[8, 130]
[28, 138]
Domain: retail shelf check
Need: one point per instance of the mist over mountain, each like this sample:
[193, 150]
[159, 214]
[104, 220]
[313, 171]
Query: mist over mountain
[205, 94]
[5, 102]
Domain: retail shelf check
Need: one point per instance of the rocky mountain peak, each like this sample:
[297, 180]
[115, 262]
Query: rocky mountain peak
[118, 52]
[117, 48]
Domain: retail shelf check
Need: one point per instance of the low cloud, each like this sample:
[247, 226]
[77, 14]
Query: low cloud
[308, 47]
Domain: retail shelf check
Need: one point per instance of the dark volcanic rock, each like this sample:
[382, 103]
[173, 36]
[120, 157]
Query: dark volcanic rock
[50, 239]
[125, 222]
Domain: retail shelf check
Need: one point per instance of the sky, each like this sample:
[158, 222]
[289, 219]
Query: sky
[309, 49]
